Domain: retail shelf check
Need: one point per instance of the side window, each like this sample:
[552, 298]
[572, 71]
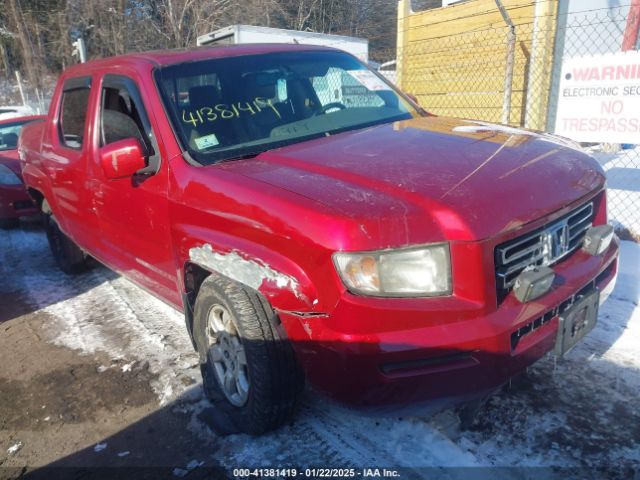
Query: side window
[73, 115]
[119, 117]
[122, 116]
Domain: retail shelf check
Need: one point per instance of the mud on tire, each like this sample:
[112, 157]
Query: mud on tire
[275, 379]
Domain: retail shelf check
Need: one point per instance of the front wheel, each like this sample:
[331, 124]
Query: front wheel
[249, 373]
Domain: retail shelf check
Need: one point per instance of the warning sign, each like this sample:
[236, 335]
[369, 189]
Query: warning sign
[599, 98]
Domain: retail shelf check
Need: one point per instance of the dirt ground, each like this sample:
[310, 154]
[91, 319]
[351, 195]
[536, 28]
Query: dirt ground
[55, 403]
[62, 407]
[97, 373]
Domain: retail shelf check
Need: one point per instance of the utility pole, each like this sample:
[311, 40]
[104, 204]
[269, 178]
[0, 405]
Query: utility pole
[79, 50]
[24, 100]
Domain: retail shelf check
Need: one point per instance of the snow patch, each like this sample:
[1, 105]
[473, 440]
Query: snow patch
[13, 449]
[192, 465]
[102, 312]
[127, 367]
[484, 127]
[100, 447]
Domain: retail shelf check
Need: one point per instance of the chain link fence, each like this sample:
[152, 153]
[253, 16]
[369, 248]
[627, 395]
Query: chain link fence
[512, 75]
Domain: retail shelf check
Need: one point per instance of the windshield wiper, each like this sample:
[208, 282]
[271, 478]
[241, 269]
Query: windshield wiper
[242, 156]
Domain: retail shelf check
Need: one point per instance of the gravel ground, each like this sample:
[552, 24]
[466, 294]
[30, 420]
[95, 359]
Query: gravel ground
[97, 373]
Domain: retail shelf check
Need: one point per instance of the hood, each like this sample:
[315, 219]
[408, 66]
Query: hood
[458, 179]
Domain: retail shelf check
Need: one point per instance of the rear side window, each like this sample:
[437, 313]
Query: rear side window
[73, 115]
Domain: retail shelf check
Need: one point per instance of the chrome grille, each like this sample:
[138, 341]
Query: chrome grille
[544, 246]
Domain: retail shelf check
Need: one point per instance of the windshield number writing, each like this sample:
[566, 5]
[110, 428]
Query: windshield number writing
[228, 112]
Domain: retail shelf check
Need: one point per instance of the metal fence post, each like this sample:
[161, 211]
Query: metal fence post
[508, 72]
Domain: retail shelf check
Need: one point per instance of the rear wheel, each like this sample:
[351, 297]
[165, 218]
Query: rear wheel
[68, 256]
[8, 223]
[249, 373]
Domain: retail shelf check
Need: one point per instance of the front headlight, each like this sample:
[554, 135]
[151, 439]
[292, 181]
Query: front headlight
[7, 177]
[413, 272]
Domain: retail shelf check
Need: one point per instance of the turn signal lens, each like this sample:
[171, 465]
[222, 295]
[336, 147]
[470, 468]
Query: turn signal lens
[359, 271]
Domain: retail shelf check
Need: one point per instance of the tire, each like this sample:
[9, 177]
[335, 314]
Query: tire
[274, 379]
[68, 256]
[8, 223]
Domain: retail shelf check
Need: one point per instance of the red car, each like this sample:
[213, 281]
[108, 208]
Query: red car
[15, 202]
[313, 222]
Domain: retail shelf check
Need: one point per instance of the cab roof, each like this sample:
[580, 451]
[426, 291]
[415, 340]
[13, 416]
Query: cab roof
[160, 58]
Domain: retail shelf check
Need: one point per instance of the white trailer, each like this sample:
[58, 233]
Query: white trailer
[233, 34]
[334, 87]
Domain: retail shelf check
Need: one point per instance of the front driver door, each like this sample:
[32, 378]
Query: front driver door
[133, 211]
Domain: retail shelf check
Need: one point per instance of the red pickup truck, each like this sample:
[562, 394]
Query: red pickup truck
[314, 222]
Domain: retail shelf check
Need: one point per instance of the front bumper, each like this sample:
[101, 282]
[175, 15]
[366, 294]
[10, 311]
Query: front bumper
[436, 350]
[15, 202]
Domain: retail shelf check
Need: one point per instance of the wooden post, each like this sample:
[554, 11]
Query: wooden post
[404, 12]
[540, 63]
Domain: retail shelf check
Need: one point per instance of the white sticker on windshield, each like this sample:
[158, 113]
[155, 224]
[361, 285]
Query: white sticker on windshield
[369, 80]
[207, 141]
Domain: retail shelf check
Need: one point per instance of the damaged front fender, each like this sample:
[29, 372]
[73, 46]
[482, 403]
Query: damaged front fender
[284, 290]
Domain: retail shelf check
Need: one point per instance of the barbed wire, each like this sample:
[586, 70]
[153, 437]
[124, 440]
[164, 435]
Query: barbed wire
[525, 20]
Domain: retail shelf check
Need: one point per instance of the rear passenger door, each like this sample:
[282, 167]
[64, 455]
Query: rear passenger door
[133, 211]
[66, 156]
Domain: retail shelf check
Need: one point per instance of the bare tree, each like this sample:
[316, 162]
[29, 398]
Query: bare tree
[181, 21]
[24, 37]
[36, 35]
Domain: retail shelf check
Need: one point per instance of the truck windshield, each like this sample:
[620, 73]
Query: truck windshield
[237, 107]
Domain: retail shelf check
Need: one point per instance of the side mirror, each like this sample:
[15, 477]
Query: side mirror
[122, 158]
